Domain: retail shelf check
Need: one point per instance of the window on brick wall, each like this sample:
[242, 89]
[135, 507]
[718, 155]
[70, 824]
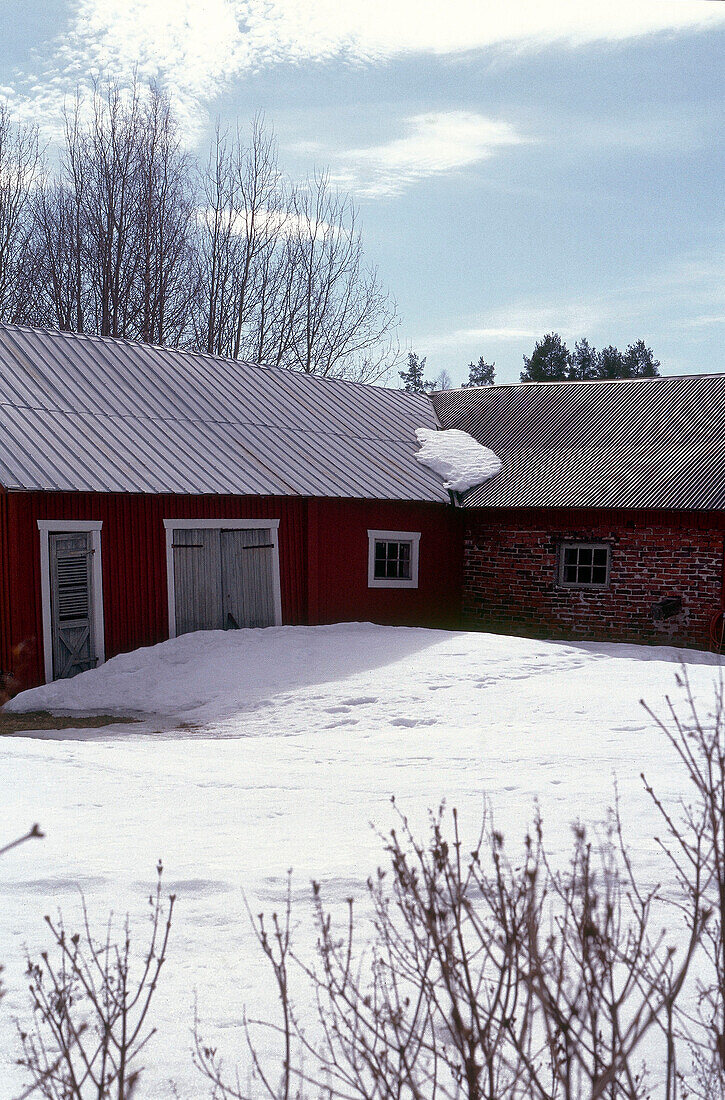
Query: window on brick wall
[584, 564]
[393, 559]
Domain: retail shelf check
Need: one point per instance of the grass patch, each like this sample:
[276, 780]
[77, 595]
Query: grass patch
[44, 720]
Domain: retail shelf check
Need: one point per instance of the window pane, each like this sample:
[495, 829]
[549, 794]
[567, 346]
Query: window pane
[570, 555]
[404, 551]
[600, 556]
[585, 574]
[585, 555]
[392, 550]
[599, 575]
[392, 569]
[570, 574]
[379, 571]
[404, 570]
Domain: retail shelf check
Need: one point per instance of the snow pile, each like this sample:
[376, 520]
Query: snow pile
[208, 676]
[457, 457]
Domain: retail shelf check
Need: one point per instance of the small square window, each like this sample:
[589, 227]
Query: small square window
[393, 559]
[584, 565]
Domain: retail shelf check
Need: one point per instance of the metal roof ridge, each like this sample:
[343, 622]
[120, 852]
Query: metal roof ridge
[581, 382]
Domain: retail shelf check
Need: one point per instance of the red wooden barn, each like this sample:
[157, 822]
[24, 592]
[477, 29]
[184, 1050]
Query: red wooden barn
[148, 492]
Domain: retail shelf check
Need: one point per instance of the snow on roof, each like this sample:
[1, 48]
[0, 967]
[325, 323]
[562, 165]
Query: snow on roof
[457, 457]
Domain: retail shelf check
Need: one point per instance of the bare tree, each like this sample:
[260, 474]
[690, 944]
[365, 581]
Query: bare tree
[126, 238]
[694, 844]
[442, 381]
[241, 228]
[344, 321]
[60, 242]
[110, 146]
[114, 228]
[164, 227]
[20, 166]
[281, 277]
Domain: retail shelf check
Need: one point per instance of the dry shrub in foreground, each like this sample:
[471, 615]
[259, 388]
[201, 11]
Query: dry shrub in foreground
[484, 979]
[90, 1002]
[694, 844]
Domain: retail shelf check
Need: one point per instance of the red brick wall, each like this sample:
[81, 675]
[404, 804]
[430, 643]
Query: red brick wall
[511, 581]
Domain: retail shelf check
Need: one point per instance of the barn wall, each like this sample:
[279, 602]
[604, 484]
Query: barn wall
[339, 574]
[5, 596]
[133, 546]
[323, 563]
[510, 574]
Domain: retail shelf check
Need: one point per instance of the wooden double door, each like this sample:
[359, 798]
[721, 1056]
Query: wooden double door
[223, 578]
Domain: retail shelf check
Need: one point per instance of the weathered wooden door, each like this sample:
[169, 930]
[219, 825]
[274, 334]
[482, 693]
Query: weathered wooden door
[223, 578]
[247, 591]
[197, 579]
[71, 601]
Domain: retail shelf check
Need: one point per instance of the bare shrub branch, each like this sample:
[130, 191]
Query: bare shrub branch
[90, 1006]
[482, 979]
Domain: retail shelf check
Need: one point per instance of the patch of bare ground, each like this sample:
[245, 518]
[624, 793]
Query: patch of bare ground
[44, 720]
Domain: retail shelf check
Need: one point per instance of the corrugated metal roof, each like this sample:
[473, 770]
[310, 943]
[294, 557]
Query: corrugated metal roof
[636, 443]
[86, 413]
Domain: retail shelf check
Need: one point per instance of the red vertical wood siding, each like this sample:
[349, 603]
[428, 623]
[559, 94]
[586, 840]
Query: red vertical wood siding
[5, 632]
[133, 548]
[323, 563]
[342, 568]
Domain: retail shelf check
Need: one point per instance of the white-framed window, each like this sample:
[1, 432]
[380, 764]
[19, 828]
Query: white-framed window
[71, 597]
[393, 559]
[584, 564]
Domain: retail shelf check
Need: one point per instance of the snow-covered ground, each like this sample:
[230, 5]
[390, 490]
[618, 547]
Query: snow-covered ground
[278, 748]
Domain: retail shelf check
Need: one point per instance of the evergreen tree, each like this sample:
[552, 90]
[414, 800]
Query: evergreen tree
[481, 374]
[610, 363]
[639, 361]
[583, 361]
[550, 361]
[412, 378]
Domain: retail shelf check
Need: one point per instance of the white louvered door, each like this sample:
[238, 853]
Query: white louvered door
[71, 600]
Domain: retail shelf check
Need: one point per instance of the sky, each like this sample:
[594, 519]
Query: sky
[519, 168]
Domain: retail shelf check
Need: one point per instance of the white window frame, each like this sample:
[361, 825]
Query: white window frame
[271, 525]
[413, 537]
[48, 527]
[583, 544]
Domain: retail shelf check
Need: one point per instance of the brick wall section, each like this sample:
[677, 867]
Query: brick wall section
[511, 583]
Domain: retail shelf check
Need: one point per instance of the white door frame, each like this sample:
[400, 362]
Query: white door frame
[48, 527]
[271, 525]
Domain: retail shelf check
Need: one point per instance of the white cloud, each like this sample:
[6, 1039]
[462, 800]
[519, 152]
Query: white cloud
[272, 223]
[439, 142]
[198, 47]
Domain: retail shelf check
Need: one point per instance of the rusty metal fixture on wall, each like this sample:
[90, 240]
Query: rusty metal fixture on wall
[667, 608]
